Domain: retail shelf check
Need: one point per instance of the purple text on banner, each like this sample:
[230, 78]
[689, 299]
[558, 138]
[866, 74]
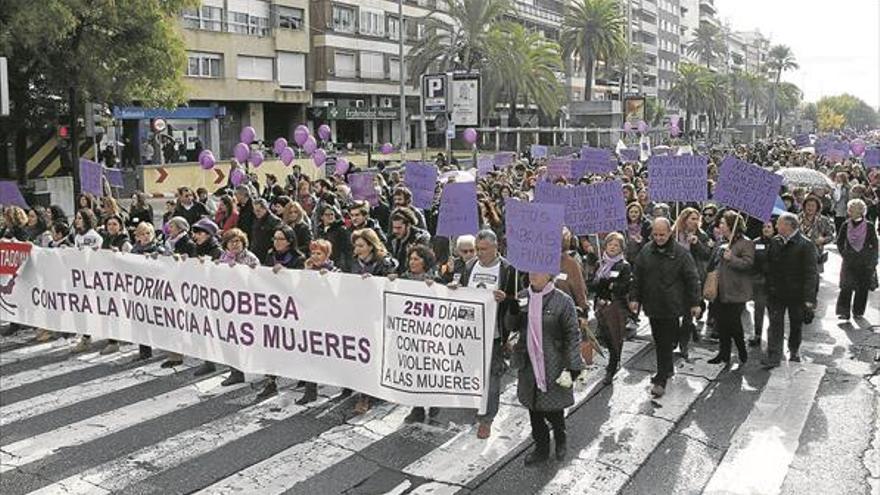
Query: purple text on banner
[872, 157]
[421, 179]
[362, 188]
[458, 210]
[559, 167]
[114, 176]
[538, 151]
[485, 165]
[678, 178]
[90, 177]
[10, 194]
[599, 161]
[534, 236]
[504, 159]
[748, 188]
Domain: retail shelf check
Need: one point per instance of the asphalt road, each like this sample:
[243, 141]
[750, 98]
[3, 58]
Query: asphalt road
[105, 424]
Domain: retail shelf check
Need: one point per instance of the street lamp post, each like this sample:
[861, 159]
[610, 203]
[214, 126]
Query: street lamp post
[402, 77]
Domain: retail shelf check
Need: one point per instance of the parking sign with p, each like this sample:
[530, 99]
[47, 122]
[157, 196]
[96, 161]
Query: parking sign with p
[434, 93]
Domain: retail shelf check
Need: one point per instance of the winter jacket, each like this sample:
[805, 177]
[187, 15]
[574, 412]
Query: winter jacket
[735, 274]
[792, 271]
[665, 281]
[398, 248]
[858, 266]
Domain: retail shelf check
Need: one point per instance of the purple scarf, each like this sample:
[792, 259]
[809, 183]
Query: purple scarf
[535, 342]
[608, 263]
[855, 234]
[634, 229]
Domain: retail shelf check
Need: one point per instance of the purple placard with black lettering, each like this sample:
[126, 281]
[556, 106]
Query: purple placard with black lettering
[421, 179]
[485, 165]
[538, 151]
[747, 187]
[10, 194]
[114, 176]
[628, 155]
[362, 188]
[90, 177]
[559, 167]
[802, 140]
[872, 157]
[599, 161]
[504, 159]
[678, 178]
[458, 210]
[596, 208]
[534, 236]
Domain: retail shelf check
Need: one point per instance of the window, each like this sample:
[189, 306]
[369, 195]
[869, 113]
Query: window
[292, 70]
[204, 64]
[372, 22]
[393, 28]
[256, 68]
[248, 17]
[372, 65]
[207, 17]
[288, 18]
[237, 22]
[258, 26]
[344, 64]
[394, 69]
[343, 19]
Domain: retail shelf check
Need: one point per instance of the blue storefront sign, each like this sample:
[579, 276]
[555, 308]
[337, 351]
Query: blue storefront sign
[139, 113]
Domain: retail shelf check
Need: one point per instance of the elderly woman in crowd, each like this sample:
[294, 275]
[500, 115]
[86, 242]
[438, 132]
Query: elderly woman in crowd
[611, 286]
[295, 216]
[857, 244]
[816, 227]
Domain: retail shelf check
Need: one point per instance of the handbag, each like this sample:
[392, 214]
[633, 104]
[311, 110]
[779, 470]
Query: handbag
[710, 286]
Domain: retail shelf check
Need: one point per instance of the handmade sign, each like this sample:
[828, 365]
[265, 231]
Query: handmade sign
[534, 236]
[90, 177]
[678, 178]
[10, 195]
[747, 187]
[559, 167]
[459, 213]
[421, 179]
[362, 187]
[538, 151]
[589, 208]
[599, 161]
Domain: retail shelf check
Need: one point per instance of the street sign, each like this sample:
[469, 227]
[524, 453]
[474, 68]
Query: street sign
[4, 88]
[450, 131]
[434, 95]
[441, 122]
[466, 99]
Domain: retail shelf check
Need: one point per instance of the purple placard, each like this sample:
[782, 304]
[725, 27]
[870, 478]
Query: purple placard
[504, 159]
[629, 155]
[678, 178]
[534, 236]
[599, 161]
[90, 177]
[458, 210]
[802, 140]
[538, 151]
[421, 179]
[10, 194]
[872, 157]
[596, 208]
[485, 165]
[559, 167]
[747, 187]
[114, 176]
[362, 187]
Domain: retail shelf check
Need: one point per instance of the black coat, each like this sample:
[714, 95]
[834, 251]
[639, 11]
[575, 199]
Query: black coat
[858, 266]
[138, 215]
[792, 270]
[616, 287]
[508, 283]
[292, 260]
[261, 233]
[210, 248]
[377, 267]
[665, 281]
[303, 236]
[196, 212]
[185, 245]
[398, 248]
[340, 238]
[759, 267]
[246, 217]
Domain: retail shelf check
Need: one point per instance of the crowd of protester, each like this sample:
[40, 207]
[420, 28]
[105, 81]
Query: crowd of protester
[689, 268]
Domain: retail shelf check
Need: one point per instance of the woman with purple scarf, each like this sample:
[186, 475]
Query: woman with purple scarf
[857, 244]
[548, 359]
[611, 286]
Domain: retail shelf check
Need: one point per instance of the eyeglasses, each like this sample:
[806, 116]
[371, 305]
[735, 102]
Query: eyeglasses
[708, 214]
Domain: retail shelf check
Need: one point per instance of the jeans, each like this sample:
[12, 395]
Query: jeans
[776, 332]
[730, 328]
[664, 331]
[496, 372]
[540, 432]
[859, 302]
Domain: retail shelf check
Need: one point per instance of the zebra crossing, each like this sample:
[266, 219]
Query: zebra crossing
[92, 424]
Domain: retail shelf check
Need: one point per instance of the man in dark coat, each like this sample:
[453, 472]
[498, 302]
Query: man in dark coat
[245, 209]
[405, 234]
[188, 208]
[792, 278]
[360, 219]
[666, 286]
[264, 227]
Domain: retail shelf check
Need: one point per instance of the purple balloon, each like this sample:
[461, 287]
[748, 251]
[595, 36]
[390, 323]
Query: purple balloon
[279, 145]
[301, 134]
[319, 156]
[236, 176]
[241, 152]
[206, 159]
[386, 148]
[470, 135]
[310, 145]
[342, 166]
[643, 126]
[857, 146]
[287, 155]
[674, 131]
[256, 158]
[627, 126]
[248, 134]
[324, 132]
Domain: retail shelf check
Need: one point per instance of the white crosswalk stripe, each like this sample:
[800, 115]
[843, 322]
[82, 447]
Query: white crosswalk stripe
[81, 362]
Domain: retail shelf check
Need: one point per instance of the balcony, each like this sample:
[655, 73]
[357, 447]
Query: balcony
[649, 48]
[708, 6]
[649, 6]
[537, 14]
[649, 27]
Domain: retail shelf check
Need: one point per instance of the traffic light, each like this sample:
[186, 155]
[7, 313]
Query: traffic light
[95, 115]
[63, 132]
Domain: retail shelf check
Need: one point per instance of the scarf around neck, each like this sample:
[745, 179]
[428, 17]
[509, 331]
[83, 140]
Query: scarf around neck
[608, 263]
[856, 233]
[535, 342]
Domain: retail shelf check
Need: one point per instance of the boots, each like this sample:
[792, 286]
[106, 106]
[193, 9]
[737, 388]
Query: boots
[85, 342]
[269, 390]
[561, 446]
[536, 456]
[205, 368]
[234, 378]
[310, 395]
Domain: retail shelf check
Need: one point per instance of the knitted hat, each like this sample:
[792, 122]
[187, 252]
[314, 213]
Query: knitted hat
[207, 226]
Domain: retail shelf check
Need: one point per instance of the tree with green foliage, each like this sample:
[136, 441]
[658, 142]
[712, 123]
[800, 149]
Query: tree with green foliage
[780, 59]
[708, 44]
[856, 113]
[63, 53]
[690, 90]
[592, 31]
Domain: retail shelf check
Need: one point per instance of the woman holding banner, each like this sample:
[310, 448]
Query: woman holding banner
[85, 237]
[548, 359]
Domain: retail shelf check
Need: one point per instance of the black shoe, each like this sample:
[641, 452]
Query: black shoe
[346, 392]
[756, 342]
[696, 334]
[10, 330]
[795, 358]
[310, 395]
[743, 357]
[270, 390]
[768, 365]
[609, 377]
[170, 364]
[843, 317]
[145, 354]
[718, 359]
[561, 450]
[433, 412]
[301, 384]
[234, 377]
[536, 457]
[205, 368]
[416, 415]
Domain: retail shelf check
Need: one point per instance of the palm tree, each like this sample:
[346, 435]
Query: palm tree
[717, 100]
[780, 58]
[523, 63]
[708, 43]
[754, 86]
[459, 42]
[790, 97]
[689, 90]
[629, 56]
[592, 31]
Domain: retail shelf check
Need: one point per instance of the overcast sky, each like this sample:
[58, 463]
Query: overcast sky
[836, 43]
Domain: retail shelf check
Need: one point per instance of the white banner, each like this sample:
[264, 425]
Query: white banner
[402, 341]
